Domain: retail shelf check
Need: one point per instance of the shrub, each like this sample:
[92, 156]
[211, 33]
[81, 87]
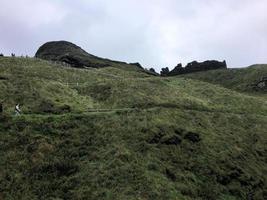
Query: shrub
[193, 137]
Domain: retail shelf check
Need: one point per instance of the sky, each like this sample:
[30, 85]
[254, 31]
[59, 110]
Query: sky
[155, 33]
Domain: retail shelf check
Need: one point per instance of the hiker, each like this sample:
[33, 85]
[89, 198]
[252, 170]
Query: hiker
[17, 110]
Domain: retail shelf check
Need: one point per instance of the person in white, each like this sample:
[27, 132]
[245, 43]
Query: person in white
[17, 110]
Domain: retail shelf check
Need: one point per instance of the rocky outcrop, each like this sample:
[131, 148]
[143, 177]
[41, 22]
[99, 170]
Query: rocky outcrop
[151, 71]
[176, 70]
[72, 55]
[69, 53]
[75, 56]
[165, 71]
[194, 67]
[137, 65]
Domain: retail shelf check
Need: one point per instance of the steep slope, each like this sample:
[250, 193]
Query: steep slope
[110, 133]
[243, 79]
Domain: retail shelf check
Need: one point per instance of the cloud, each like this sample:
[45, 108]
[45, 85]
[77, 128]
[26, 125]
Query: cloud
[22, 21]
[156, 33]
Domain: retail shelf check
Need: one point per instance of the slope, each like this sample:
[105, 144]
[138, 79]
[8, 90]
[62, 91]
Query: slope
[243, 79]
[110, 133]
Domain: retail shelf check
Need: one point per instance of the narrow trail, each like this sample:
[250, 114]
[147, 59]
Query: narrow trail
[127, 110]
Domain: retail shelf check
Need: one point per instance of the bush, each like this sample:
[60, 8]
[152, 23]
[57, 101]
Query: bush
[193, 137]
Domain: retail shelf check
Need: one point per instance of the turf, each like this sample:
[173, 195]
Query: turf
[239, 79]
[112, 133]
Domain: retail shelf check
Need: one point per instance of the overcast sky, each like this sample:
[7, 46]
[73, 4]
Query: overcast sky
[156, 33]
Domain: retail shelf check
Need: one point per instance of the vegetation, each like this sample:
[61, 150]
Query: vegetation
[114, 133]
[238, 79]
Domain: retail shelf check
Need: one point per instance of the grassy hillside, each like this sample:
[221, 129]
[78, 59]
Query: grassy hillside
[110, 133]
[237, 79]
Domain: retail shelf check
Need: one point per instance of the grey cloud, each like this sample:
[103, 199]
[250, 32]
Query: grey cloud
[156, 33]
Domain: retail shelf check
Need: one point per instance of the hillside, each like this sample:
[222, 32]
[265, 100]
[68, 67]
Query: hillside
[115, 133]
[242, 79]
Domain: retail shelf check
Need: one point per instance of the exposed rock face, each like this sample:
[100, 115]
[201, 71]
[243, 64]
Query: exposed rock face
[165, 71]
[196, 67]
[137, 65]
[152, 70]
[204, 66]
[177, 70]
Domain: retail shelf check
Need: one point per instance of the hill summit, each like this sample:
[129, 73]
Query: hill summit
[73, 55]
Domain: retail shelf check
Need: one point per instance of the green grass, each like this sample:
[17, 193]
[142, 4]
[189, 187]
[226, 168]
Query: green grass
[146, 137]
[236, 79]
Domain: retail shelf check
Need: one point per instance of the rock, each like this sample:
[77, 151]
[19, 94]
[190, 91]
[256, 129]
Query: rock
[177, 70]
[152, 70]
[137, 65]
[196, 67]
[204, 66]
[164, 71]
